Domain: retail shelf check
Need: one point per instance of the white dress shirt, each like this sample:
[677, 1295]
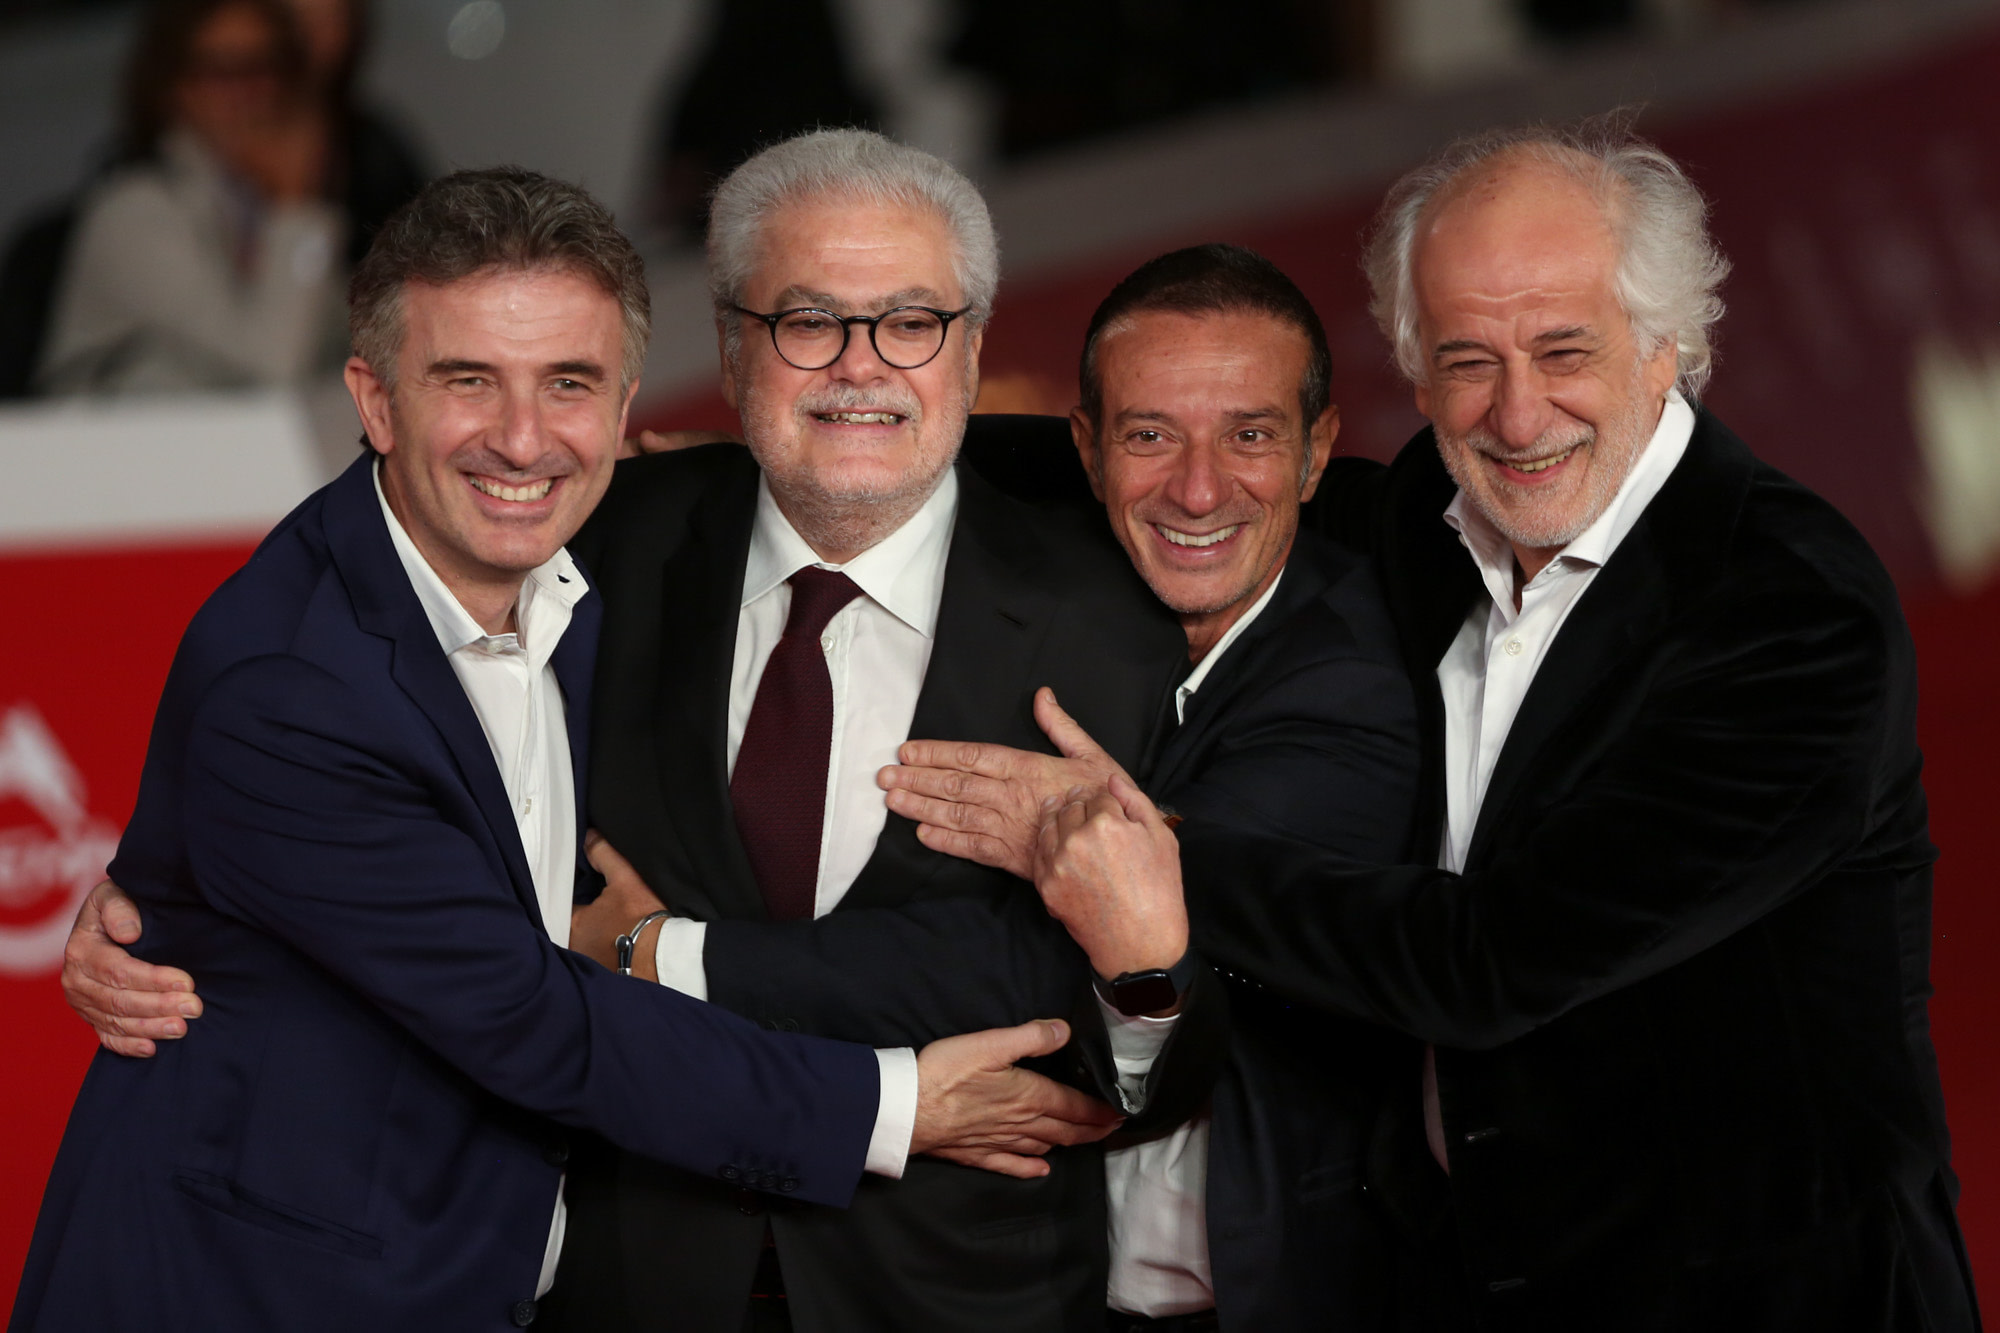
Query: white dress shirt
[877, 649]
[1158, 1189]
[1485, 674]
[513, 690]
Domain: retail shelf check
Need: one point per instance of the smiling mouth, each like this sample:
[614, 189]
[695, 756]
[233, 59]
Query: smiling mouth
[859, 418]
[1197, 540]
[1542, 464]
[534, 490]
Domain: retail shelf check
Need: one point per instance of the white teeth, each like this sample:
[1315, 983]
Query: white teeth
[1197, 538]
[861, 418]
[1544, 464]
[532, 491]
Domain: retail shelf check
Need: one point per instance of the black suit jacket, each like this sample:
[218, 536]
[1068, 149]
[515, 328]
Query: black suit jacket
[1030, 598]
[1678, 998]
[1305, 728]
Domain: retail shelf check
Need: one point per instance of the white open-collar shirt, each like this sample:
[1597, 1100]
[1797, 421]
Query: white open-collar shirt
[1485, 675]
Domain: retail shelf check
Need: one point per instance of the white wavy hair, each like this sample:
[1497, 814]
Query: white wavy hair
[1669, 272]
[851, 164]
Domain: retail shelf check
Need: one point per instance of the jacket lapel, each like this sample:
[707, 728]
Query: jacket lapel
[701, 598]
[1303, 581]
[994, 613]
[575, 663]
[1673, 549]
[386, 605]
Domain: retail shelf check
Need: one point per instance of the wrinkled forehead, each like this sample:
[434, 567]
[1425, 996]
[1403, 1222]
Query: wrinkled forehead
[846, 251]
[1516, 226]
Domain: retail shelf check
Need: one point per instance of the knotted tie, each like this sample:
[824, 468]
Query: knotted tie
[779, 787]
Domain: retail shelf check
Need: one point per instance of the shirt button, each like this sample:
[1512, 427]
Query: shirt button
[1513, 647]
[826, 642]
[527, 805]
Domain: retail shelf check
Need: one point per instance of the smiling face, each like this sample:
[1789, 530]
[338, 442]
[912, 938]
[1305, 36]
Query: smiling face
[1539, 393]
[500, 433]
[852, 450]
[1202, 456]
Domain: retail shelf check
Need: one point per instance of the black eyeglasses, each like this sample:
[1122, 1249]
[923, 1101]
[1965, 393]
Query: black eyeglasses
[906, 337]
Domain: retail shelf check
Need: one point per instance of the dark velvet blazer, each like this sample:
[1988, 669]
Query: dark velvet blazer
[1030, 598]
[366, 1128]
[1678, 998]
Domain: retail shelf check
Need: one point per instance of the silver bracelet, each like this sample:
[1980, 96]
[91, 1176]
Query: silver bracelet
[630, 940]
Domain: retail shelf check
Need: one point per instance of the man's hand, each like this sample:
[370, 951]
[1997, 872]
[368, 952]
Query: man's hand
[1109, 868]
[975, 1108]
[594, 929]
[984, 802]
[666, 441]
[130, 1004]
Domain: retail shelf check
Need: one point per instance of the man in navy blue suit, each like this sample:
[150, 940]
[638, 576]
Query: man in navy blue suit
[358, 823]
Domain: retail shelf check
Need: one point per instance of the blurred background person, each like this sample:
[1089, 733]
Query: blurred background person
[371, 166]
[208, 258]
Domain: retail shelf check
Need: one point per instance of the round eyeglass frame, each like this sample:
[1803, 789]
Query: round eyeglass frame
[847, 323]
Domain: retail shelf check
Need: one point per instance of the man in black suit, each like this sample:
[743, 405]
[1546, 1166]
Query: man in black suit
[1672, 968]
[851, 278]
[1204, 423]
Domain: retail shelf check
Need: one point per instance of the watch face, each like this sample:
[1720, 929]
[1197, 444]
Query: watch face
[1143, 992]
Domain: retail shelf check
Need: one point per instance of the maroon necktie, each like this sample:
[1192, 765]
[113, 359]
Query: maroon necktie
[779, 787]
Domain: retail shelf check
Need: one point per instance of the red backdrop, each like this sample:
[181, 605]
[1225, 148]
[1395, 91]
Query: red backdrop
[1864, 218]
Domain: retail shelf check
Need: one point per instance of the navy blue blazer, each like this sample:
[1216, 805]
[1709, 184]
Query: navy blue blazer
[364, 1130]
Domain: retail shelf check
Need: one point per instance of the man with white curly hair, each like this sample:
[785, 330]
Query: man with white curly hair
[1670, 971]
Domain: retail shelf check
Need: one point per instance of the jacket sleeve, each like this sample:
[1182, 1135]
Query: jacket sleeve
[911, 974]
[311, 819]
[1748, 766]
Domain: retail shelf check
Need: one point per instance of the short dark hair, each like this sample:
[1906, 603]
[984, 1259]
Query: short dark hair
[1212, 279]
[496, 218]
[159, 57]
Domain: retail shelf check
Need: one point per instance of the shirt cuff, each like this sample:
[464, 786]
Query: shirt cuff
[677, 953]
[895, 1113]
[1136, 1041]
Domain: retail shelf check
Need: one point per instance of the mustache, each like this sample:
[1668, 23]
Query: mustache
[1547, 444]
[850, 398]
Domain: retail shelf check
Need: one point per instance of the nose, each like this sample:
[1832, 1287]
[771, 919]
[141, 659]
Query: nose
[522, 437]
[1199, 484]
[1520, 412]
[859, 363]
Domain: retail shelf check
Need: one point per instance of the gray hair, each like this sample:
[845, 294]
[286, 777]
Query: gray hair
[497, 218]
[1669, 271]
[849, 164]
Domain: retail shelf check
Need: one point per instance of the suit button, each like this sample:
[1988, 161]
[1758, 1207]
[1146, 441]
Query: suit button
[788, 1184]
[556, 1154]
[730, 1173]
[748, 1204]
[766, 1179]
[788, 1025]
[523, 1313]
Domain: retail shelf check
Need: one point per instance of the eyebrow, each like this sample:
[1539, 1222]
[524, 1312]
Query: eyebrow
[793, 298]
[1574, 331]
[581, 369]
[1246, 414]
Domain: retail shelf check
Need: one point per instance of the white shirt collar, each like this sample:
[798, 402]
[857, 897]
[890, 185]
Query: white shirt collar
[1214, 655]
[903, 573]
[1494, 555]
[556, 577]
